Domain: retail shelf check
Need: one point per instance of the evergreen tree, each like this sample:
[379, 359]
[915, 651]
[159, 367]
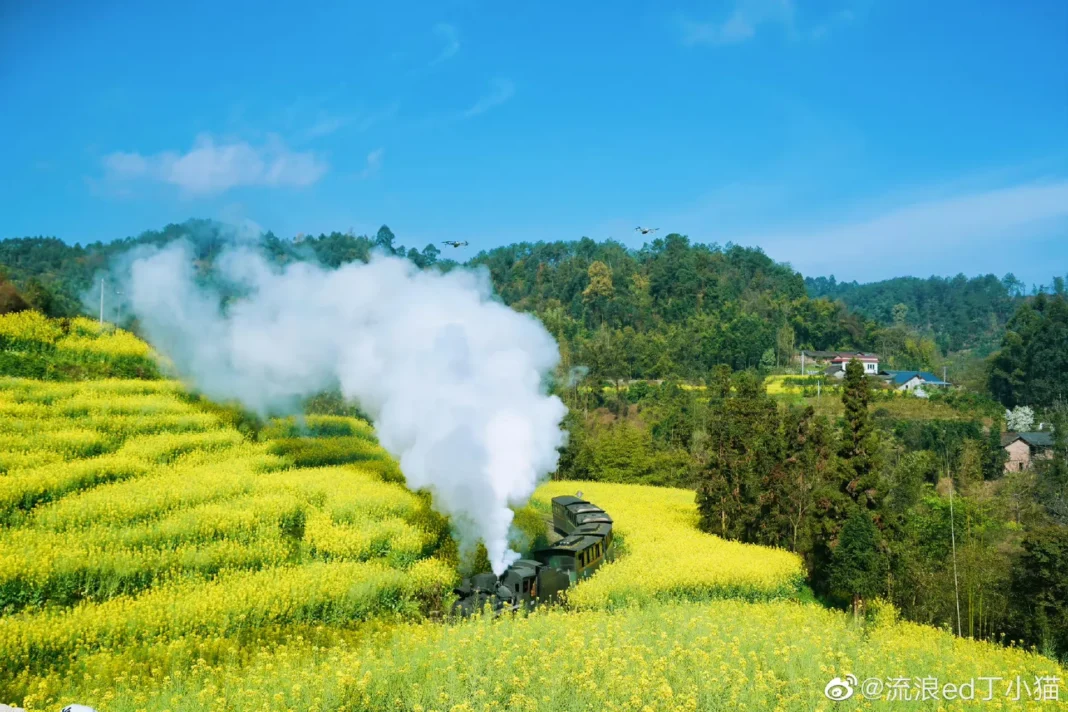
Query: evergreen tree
[994, 456]
[858, 567]
[1032, 365]
[430, 255]
[1040, 590]
[384, 239]
[858, 445]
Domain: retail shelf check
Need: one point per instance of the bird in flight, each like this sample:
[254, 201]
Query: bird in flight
[455, 243]
[646, 230]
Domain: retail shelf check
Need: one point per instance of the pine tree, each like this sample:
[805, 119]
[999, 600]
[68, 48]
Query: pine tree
[858, 567]
[858, 447]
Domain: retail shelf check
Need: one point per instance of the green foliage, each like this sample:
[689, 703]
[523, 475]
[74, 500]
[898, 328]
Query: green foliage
[859, 448]
[1032, 366]
[1040, 582]
[670, 308]
[858, 567]
[958, 312]
[322, 451]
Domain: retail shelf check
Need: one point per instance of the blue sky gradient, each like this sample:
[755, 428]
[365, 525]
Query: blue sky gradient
[860, 138]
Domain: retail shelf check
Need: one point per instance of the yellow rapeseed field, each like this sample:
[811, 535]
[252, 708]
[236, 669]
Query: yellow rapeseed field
[155, 556]
[667, 558]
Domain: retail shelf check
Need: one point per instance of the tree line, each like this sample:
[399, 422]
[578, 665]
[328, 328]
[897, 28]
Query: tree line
[878, 506]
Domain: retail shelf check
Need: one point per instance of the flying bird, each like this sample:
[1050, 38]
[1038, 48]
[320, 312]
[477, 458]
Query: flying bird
[455, 243]
[646, 230]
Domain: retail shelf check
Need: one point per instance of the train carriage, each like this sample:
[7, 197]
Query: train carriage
[586, 544]
[570, 513]
[578, 556]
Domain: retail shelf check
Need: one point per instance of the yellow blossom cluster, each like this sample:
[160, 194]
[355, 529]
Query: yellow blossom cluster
[664, 557]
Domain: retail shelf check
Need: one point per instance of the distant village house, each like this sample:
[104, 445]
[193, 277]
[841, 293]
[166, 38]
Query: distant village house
[1024, 448]
[913, 380]
[835, 362]
[833, 365]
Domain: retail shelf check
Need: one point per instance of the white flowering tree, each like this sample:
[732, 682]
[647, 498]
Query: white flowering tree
[1020, 419]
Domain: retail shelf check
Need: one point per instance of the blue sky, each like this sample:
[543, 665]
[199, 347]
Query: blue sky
[863, 138]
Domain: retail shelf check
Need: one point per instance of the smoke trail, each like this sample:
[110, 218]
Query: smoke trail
[452, 379]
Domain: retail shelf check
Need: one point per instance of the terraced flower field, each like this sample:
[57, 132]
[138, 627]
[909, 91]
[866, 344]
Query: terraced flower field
[159, 553]
[667, 558]
[134, 515]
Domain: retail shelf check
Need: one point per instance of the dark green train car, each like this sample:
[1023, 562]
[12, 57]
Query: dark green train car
[525, 582]
[587, 543]
[571, 513]
[578, 555]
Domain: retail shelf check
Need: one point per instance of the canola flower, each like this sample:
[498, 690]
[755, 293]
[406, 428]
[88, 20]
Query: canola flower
[665, 556]
[131, 513]
[64, 349]
[716, 655]
[153, 557]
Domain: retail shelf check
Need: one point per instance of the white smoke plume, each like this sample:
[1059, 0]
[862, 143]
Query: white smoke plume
[453, 380]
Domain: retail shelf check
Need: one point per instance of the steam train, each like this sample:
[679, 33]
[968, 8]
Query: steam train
[586, 543]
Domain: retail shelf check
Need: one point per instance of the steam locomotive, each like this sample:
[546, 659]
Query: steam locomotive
[586, 544]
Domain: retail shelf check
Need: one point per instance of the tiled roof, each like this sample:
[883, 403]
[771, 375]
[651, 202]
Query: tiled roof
[1035, 439]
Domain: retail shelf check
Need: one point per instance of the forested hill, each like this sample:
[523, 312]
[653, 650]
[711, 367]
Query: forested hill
[669, 308]
[52, 274]
[961, 312]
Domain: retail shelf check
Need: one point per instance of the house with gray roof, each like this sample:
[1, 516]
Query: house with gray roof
[1024, 448]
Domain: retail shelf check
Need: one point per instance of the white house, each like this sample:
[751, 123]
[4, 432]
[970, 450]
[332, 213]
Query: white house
[835, 362]
[869, 361]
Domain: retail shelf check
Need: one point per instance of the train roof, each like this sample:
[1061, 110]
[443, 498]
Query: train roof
[592, 517]
[599, 529]
[528, 563]
[567, 500]
[571, 544]
[583, 508]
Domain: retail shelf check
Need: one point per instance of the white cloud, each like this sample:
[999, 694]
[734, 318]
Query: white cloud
[748, 16]
[451, 41]
[328, 123]
[915, 236]
[501, 90]
[212, 167]
[741, 24]
[374, 163]
[325, 125]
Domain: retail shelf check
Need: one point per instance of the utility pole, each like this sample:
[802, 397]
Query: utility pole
[101, 301]
[953, 540]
